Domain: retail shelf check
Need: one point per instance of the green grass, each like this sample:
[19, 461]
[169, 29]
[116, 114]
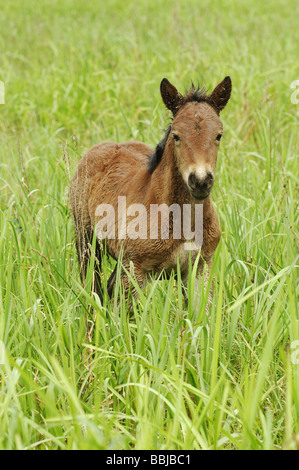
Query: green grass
[77, 73]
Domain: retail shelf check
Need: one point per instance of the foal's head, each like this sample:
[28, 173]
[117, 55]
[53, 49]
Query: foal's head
[195, 133]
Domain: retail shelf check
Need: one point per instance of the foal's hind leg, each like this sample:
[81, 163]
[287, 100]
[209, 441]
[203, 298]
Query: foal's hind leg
[84, 240]
[97, 284]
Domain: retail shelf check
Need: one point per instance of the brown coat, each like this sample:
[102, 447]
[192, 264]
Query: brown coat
[179, 171]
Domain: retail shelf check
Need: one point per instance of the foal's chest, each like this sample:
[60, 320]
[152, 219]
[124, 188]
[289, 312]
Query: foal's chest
[181, 254]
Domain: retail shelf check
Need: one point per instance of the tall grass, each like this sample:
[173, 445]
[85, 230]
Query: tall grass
[79, 374]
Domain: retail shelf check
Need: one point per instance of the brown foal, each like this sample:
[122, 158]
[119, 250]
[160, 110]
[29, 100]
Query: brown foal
[179, 173]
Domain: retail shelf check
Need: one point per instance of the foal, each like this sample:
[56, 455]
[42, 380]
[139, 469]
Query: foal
[180, 171]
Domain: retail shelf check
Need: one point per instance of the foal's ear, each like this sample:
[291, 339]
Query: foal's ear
[173, 100]
[221, 94]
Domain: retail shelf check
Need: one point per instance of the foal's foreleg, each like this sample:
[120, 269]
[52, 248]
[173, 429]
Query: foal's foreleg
[111, 282]
[131, 272]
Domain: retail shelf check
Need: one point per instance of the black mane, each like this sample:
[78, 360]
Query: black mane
[196, 94]
[156, 157]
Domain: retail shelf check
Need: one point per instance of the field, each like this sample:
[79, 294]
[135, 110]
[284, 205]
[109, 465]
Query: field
[76, 374]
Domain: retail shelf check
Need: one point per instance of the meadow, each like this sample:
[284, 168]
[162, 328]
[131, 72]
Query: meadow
[78, 374]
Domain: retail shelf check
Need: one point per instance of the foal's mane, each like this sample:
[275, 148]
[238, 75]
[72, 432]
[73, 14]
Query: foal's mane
[193, 94]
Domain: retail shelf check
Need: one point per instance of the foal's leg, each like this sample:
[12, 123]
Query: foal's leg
[84, 239]
[111, 282]
[126, 282]
[97, 284]
[138, 274]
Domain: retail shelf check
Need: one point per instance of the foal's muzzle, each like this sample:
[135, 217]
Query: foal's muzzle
[200, 188]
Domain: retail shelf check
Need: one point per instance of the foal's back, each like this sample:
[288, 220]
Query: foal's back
[110, 155]
[102, 171]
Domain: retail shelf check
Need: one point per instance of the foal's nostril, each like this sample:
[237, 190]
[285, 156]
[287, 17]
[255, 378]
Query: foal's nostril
[209, 179]
[192, 181]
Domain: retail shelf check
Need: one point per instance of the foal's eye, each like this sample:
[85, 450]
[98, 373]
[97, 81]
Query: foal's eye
[176, 137]
[218, 138]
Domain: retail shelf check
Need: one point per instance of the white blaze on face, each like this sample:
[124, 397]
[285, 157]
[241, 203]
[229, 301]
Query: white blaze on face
[200, 171]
